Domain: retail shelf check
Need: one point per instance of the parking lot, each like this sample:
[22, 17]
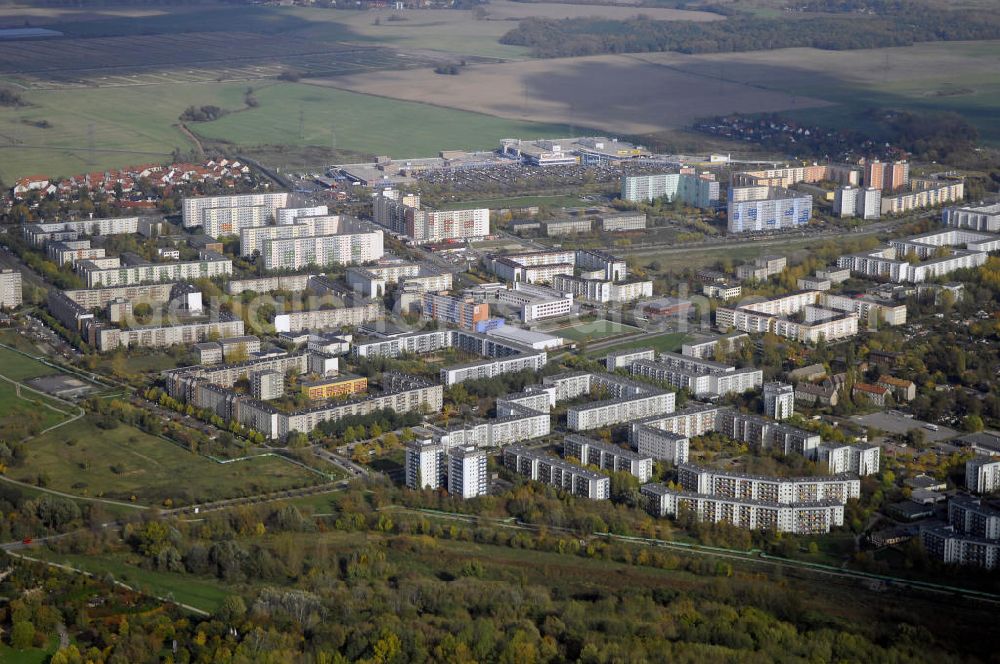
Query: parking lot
[896, 422]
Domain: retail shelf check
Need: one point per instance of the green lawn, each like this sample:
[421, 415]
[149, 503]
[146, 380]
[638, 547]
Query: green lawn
[363, 123]
[86, 460]
[30, 655]
[669, 342]
[593, 330]
[200, 592]
[16, 411]
[20, 368]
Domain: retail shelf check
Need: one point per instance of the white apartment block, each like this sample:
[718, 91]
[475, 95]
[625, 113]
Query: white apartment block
[695, 419]
[752, 210]
[69, 251]
[224, 221]
[106, 272]
[192, 207]
[292, 283]
[781, 490]
[286, 216]
[982, 474]
[844, 174]
[659, 444]
[697, 190]
[607, 456]
[705, 348]
[623, 359]
[106, 338]
[425, 465]
[803, 518]
[10, 289]
[771, 316]
[861, 460]
[701, 377]
[890, 262]
[322, 250]
[856, 202]
[779, 400]
[952, 548]
[571, 478]
[618, 410]
[328, 319]
[598, 290]
[868, 308]
[467, 477]
[984, 218]
[536, 302]
[253, 238]
[39, 234]
[934, 194]
[403, 215]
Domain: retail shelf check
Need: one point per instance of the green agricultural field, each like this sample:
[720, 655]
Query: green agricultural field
[593, 330]
[362, 123]
[124, 125]
[85, 460]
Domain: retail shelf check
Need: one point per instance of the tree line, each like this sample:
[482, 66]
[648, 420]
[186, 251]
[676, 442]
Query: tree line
[553, 38]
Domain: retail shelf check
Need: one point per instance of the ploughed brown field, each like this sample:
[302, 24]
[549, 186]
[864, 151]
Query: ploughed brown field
[617, 93]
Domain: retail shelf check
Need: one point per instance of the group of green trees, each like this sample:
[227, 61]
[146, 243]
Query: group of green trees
[375, 584]
[742, 32]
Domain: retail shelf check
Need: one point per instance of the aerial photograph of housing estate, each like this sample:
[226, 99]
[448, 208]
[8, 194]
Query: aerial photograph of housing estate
[499, 331]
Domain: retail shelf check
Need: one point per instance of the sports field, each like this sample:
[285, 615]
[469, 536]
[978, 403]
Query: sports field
[18, 367]
[667, 342]
[83, 459]
[593, 330]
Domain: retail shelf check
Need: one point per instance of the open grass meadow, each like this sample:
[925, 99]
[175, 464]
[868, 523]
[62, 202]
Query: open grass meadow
[17, 367]
[127, 464]
[668, 342]
[203, 593]
[26, 413]
[363, 123]
[92, 129]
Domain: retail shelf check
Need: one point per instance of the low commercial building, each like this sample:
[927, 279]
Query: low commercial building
[626, 221]
[334, 387]
[813, 517]
[723, 291]
[666, 307]
[536, 302]
[568, 226]
[571, 478]
[606, 456]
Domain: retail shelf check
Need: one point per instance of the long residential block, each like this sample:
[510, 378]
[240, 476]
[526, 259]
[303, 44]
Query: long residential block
[540, 467]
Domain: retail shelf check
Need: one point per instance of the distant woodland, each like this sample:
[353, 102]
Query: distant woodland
[591, 36]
